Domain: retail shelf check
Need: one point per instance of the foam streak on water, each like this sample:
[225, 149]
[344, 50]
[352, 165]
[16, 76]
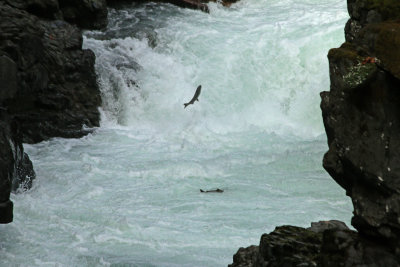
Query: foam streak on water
[128, 194]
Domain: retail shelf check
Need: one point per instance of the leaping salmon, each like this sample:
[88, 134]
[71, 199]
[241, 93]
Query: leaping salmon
[195, 97]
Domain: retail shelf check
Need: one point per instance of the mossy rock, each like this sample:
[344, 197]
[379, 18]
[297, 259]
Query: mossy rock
[382, 40]
[346, 51]
[389, 9]
[387, 47]
[359, 75]
[350, 70]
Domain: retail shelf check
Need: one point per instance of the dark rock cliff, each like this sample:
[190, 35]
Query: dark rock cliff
[48, 82]
[16, 171]
[361, 115]
[57, 91]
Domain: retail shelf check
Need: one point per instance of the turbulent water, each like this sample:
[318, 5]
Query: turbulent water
[128, 194]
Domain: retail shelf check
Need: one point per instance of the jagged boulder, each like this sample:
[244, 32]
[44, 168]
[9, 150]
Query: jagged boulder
[285, 246]
[57, 89]
[325, 243]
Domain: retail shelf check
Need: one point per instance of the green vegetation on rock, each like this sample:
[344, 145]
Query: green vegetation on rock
[359, 74]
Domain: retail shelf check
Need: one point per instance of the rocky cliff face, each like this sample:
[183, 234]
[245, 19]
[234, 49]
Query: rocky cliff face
[48, 83]
[56, 90]
[362, 118]
[361, 115]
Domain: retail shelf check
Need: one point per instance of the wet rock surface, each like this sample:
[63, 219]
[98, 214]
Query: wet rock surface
[285, 246]
[361, 118]
[361, 114]
[57, 91]
[49, 86]
[325, 243]
[16, 170]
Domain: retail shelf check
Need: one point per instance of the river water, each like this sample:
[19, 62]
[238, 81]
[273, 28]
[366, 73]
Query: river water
[128, 194]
